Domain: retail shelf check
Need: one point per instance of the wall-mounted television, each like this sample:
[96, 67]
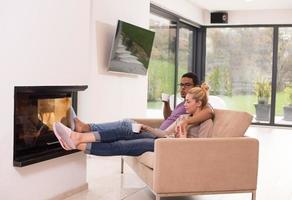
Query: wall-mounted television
[131, 49]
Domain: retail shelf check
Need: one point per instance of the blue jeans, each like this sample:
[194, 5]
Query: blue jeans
[117, 138]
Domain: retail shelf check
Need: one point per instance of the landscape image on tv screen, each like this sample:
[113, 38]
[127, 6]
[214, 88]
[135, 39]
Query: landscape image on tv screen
[131, 49]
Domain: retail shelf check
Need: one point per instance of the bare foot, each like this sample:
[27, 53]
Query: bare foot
[81, 146]
[81, 138]
[80, 126]
[76, 137]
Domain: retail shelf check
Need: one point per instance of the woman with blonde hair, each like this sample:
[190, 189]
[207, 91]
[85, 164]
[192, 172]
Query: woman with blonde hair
[117, 138]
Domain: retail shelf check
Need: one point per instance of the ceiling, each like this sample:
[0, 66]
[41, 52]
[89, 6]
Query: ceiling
[227, 5]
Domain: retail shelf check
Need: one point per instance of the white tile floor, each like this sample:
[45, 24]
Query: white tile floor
[274, 180]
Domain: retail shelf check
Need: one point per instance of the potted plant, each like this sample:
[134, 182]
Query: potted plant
[288, 108]
[263, 93]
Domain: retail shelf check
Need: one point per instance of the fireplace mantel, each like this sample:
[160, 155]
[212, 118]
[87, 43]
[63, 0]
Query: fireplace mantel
[48, 89]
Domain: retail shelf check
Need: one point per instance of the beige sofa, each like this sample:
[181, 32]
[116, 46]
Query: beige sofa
[225, 163]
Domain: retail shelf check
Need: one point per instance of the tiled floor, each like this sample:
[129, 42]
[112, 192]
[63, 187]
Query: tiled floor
[274, 180]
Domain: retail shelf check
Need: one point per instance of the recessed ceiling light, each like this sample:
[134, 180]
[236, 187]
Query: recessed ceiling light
[248, 0]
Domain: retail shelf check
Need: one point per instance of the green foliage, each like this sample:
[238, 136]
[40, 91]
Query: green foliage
[244, 51]
[220, 81]
[262, 89]
[242, 102]
[288, 93]
[160, 79]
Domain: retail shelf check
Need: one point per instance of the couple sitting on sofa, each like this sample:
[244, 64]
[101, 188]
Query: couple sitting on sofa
[117, 138]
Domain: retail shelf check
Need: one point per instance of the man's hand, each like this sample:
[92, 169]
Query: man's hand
[166, 109]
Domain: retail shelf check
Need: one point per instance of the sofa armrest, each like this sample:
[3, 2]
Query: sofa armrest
[154, 123]
[205, 164]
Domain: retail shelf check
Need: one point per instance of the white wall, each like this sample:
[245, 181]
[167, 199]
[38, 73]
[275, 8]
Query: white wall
[256, 17]
[113, 96]
[43, 42]
[261, 17]
[182, 8]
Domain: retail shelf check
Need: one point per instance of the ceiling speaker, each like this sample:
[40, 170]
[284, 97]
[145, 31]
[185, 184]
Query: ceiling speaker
[219, 17]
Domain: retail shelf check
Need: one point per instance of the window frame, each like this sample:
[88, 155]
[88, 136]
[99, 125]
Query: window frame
[185, 23]
[199, 52]
[274, 64]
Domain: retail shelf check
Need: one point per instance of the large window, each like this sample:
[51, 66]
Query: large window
[238, 66]
[250, 69]
[283, 113]
[172, 56]
[185, 54]
[161, 71]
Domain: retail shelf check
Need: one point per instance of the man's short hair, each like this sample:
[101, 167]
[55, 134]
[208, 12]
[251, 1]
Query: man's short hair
[192, 76]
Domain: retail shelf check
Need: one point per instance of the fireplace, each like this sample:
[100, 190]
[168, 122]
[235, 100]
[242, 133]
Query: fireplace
[36, 108]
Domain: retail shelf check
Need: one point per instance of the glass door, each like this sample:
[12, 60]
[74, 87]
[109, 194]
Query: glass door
[161, 71]
[283, 111]
[185, 54]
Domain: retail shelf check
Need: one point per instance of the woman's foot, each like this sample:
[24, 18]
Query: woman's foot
[70, 139]
[79, 138]
[80, 146]
[80, 126]
[63, 134]
[76, 138]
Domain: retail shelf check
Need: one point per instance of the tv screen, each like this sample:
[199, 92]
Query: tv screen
[131, 49]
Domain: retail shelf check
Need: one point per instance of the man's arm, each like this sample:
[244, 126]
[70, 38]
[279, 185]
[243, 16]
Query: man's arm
[203, 115]
[166, 109]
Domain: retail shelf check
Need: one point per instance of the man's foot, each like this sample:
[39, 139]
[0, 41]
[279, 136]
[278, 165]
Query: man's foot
[72, 116]
[80, 126]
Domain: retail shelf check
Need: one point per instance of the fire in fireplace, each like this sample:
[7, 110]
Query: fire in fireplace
[36, 108]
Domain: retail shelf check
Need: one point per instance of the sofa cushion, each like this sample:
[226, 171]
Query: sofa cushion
[204, 130]
[147, 159]
[228, 123]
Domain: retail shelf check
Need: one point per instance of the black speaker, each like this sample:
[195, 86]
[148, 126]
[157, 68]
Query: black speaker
[219, 17]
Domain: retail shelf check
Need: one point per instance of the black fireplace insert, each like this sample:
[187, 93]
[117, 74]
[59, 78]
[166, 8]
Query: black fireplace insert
[36, 108]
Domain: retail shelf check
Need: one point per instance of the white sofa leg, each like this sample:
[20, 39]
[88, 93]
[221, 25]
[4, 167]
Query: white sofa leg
[253, 195]
[122, 165]
[157, 197]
